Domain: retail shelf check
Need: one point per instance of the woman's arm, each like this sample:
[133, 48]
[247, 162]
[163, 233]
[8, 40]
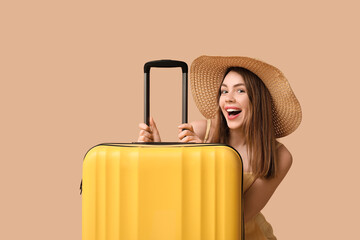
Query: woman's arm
[257, 196]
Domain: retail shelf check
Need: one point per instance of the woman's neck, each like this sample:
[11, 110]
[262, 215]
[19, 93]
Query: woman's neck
[237, 138]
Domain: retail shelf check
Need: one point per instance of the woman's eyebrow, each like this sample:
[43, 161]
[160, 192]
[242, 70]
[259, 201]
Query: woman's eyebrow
[236, 85]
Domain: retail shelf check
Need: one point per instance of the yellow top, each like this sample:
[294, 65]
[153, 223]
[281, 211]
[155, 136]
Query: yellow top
[256, 228]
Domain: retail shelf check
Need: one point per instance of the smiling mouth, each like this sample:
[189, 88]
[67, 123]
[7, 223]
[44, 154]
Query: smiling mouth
[233, 113]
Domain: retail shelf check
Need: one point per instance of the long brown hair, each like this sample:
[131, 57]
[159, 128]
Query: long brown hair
[258, 125]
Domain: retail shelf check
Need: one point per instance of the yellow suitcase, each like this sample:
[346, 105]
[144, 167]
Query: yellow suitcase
[162, 191]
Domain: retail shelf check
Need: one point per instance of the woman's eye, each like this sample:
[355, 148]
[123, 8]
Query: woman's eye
[223, 91]
[240, 91]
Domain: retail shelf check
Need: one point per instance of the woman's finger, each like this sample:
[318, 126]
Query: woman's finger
[144, 139]
[146, 134]
[153, 125]
[186, 139]
[185, 133]
[145, 127]
[187, 126]
[191, 139]
[155, 131]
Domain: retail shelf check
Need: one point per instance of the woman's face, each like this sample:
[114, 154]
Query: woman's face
[234, 101]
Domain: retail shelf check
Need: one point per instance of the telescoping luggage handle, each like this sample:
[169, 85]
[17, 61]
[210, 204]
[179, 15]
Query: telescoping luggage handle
[166, 64]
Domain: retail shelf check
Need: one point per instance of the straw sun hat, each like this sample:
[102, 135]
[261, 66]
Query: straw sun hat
[207, 72]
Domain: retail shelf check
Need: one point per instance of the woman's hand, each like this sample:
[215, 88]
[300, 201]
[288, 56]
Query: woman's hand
[149, 134]
[187, 134]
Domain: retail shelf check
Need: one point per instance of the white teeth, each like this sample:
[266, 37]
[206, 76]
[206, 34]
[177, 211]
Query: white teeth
[233, 110]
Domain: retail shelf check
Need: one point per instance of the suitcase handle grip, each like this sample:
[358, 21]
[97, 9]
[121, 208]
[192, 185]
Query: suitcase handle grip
[165, 64]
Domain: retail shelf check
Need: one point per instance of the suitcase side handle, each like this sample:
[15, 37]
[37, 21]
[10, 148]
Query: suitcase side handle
[165, 64]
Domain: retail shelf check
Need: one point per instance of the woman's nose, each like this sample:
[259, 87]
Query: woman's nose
[229, 97]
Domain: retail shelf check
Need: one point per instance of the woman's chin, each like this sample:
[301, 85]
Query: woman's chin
[234, 125]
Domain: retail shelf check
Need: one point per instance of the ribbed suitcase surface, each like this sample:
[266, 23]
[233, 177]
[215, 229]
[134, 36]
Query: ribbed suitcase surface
[162, 192]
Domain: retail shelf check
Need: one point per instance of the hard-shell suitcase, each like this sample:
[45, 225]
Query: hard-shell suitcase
[162, 191]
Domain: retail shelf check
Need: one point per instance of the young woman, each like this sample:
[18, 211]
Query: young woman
[247, 104]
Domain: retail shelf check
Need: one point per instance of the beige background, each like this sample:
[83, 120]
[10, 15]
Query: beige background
[72, 76]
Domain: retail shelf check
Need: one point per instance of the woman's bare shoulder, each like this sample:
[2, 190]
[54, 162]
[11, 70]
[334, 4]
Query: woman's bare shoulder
[199, 127]
[284, 159]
